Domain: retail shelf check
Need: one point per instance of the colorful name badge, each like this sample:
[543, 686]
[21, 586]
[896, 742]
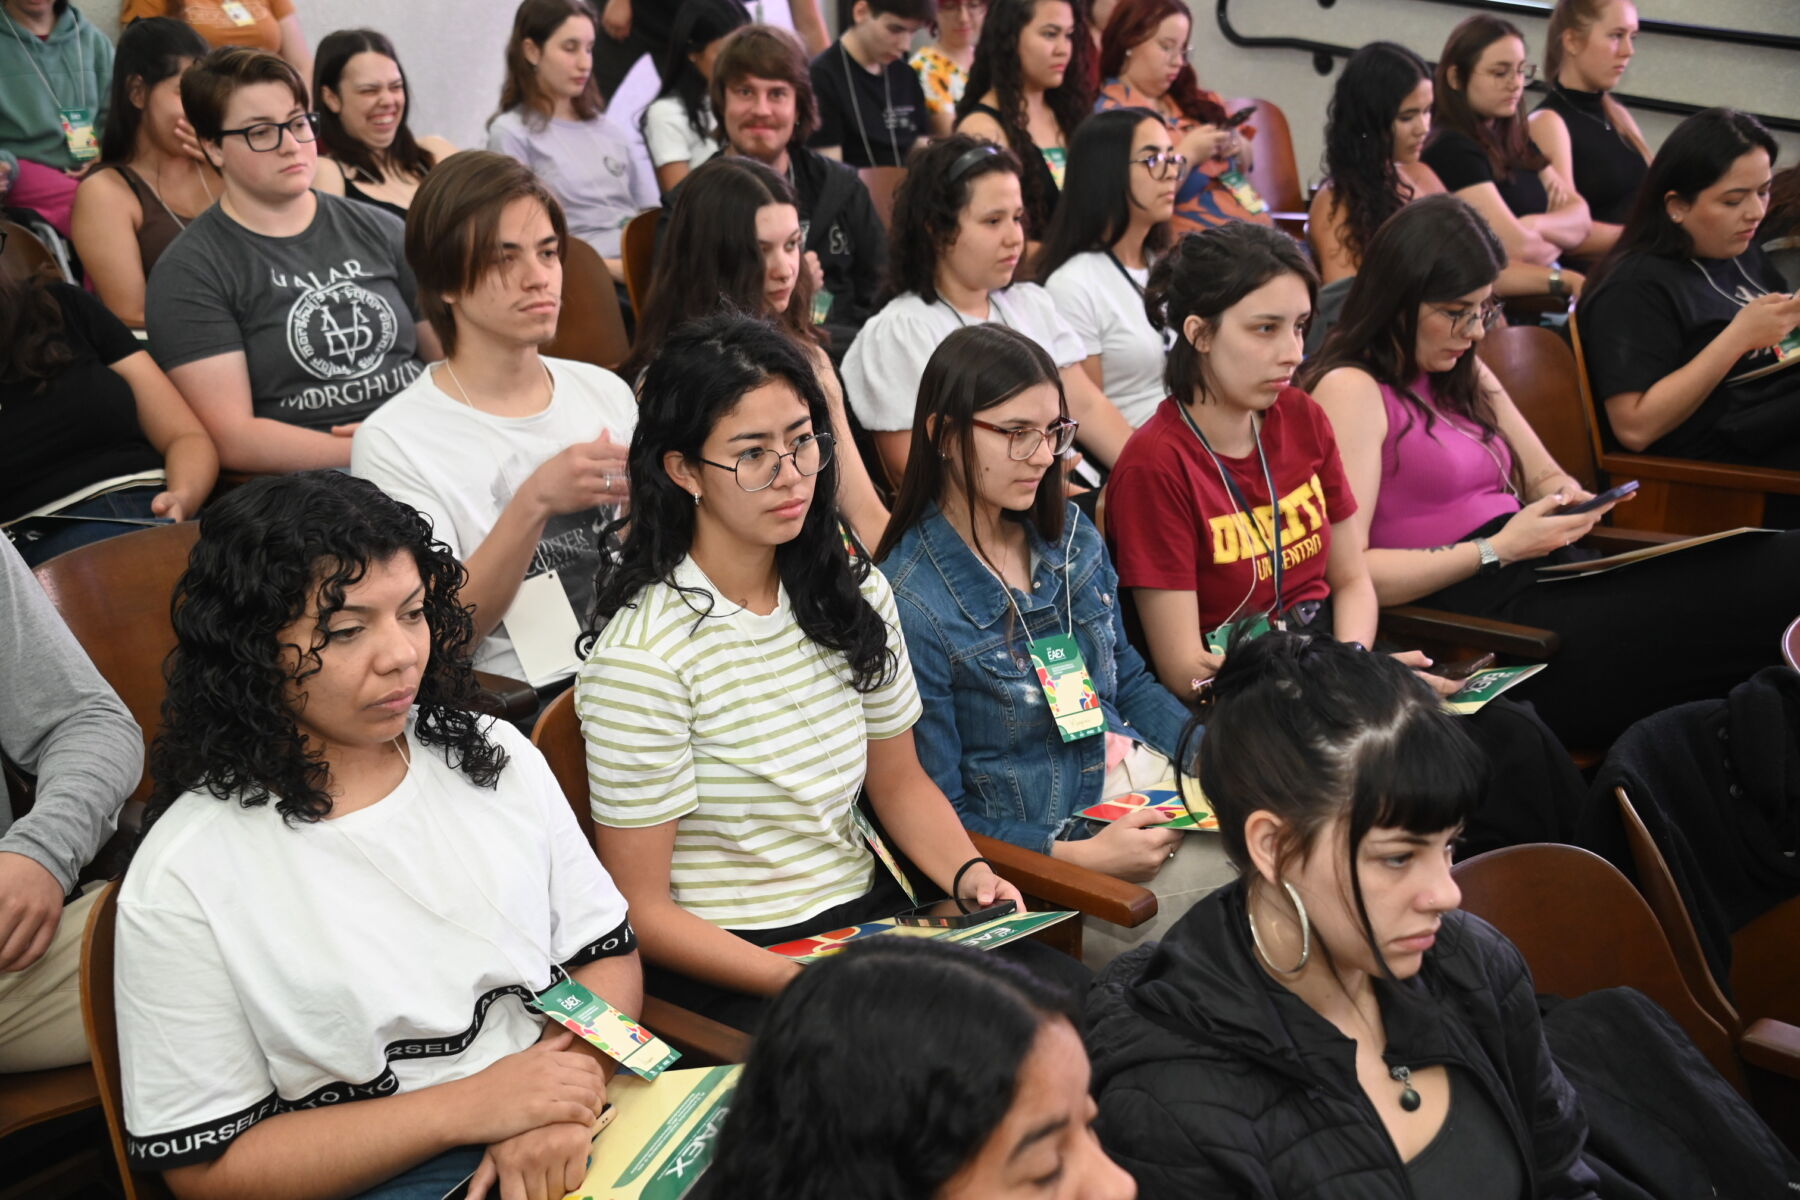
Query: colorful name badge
[821, 306]
[601, 1025]
[1253, 627]
[1067, 686]
[1788, 346]
[78, 131]
[1240, 188]
[236, 13]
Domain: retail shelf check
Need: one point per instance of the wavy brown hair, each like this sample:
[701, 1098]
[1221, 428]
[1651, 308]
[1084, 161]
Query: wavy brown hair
[1505, 139]
[1133, 23]
[537, 21]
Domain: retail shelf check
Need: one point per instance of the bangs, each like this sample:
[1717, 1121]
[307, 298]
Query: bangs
[1426, 778]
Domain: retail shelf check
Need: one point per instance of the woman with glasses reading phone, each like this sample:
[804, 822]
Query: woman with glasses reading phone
[749, 681]
[284, 315]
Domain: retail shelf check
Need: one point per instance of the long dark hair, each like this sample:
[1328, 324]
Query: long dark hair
[1696, 155]
[698, 24]
[1506, 140]
[1313, 731]
[701, 372]
[32, 330]
[537, 21]
[974, 369]
[1134, 22]
[709, 256]
[879, 1074]
[928, 207]
[1366, 187]
[405, 155]
[996, 69]
[1096, 204]
[150, 51]
[1432, 251]
[1205, 274]
[265, 551]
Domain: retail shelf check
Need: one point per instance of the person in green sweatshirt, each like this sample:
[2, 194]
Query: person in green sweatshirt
[55, 70]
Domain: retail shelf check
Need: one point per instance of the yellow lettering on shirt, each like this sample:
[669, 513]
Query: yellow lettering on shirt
[1304, 513]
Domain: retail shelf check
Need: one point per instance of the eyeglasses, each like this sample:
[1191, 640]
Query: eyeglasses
[1525, 71]
[971, 7]
[1162, 164]
[1025, 442]
[1463, 322]
[266, 135]
[758, 468]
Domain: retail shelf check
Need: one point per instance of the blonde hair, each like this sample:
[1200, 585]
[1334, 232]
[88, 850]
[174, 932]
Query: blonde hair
[1579, 17]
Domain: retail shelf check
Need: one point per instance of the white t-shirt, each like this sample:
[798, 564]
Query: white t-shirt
[461, 467]
[1107, 314]
[264, 967]
[748, 733]
[670, 139]
[887, 359]
[585, 164]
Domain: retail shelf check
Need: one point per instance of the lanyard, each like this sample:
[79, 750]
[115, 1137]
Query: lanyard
[30, 57]
[1125, 271]
[1749, 282]
[1068, 596]
[1244, 508]
[995, 315]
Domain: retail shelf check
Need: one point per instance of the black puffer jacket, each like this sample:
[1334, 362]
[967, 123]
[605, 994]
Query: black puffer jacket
[1215, 1081]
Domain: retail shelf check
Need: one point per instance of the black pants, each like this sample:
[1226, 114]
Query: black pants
[741, 1010]
[1635, 641]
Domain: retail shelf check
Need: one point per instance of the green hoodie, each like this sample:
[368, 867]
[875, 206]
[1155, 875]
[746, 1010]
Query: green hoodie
[76, 60]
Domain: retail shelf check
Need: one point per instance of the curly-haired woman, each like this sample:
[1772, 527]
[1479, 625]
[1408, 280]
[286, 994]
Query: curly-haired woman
[350, 887]
[1028, 89]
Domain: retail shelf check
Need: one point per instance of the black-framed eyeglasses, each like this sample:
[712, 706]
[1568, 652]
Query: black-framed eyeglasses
[759, 467]
[1526, 71]
[1162, 164]
[265, 136]
[1023, 443]
[1486, 314]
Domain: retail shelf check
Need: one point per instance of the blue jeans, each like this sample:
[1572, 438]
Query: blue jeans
[131, 504]
[431, 1178]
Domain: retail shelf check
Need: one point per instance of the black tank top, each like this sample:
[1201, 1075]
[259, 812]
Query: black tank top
[1042, 183]
[1473, 1156]
[1607, 169]
[356, 193]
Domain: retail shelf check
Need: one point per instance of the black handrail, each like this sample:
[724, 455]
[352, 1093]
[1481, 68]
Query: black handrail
[1324, 52]
[1704, 33]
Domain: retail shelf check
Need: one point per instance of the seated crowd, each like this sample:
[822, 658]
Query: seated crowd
[982, 453]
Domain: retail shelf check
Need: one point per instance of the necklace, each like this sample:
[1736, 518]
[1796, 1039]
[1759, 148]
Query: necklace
[157, 192]
[1402, 1075]
[549, 379]
[1600, 121]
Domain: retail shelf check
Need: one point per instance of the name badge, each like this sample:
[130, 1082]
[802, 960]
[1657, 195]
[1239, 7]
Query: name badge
[1240, 188]
[237, 13]
[1253, 627]
[601, 1025]
[821, 307]
[543, 629]
[1068, 687]
[78, 132]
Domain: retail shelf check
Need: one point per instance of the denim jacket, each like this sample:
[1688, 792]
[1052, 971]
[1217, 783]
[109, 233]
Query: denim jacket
[987, 736]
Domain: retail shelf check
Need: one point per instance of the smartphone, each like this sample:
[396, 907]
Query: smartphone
[1240, 116]
[1604, 498]
[1462, 670]
[948, 914]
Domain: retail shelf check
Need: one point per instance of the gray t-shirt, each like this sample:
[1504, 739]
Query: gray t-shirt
[326, 319]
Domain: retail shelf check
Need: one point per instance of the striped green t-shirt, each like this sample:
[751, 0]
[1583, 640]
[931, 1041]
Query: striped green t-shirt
[747, 733]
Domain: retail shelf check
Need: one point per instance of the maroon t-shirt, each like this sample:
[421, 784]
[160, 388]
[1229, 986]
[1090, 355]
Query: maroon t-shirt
[1175, 527]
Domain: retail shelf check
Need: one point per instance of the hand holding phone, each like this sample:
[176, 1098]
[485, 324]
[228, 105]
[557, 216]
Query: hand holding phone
[1461, 670]
[1240, 116]
[950, 914]
[1602, 500]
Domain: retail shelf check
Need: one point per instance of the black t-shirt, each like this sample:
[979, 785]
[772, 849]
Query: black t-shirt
[1607, 169]
[1460, 162]
[889, 103]
[83, 427]
[1651, 315]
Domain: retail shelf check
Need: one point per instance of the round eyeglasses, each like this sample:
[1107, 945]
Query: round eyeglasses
[265, 136]
[1163, 164]
[758, 468]
[1463, 322]
[1023, 443]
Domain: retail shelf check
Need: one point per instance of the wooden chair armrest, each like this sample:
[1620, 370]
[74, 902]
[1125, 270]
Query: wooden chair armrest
[1608, 540]
[694, 1035]
[1773, 1046]
[1409, 621]
[508, 699]
[1733, 476]
[1067, 885]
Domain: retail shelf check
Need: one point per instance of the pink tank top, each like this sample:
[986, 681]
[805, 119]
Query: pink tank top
[1436, 487]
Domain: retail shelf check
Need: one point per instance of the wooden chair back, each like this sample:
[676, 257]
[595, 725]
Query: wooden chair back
[1274, 172]
[1581, 927]
[100, 1015]
[639, 253]
[114, 596]
[882, 183]
[557, 736]
[591, 327]
[25, 253]
[1539, 373]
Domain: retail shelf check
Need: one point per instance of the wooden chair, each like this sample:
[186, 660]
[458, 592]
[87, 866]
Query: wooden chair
[882, 183]
[25, 253]
[639, 251]
[1274, 172]
[100, 1015]
[1677, 495]
[590, 328]
[30, 1098]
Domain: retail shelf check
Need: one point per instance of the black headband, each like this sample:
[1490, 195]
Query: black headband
[967, 160]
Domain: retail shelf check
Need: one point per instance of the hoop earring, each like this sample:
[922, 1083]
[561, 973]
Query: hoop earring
[1305, 934]
[696, 499]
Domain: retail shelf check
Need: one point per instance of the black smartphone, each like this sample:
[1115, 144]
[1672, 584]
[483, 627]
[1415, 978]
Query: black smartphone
[1240, 116]
[1606, 497]
[1464, 669]
[948, 914]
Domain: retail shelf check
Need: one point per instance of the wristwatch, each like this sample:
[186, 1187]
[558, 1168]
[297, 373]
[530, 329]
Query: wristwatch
[1490, 558]
[1556, 280]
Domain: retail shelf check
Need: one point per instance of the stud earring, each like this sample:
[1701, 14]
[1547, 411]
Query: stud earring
[696, 499]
